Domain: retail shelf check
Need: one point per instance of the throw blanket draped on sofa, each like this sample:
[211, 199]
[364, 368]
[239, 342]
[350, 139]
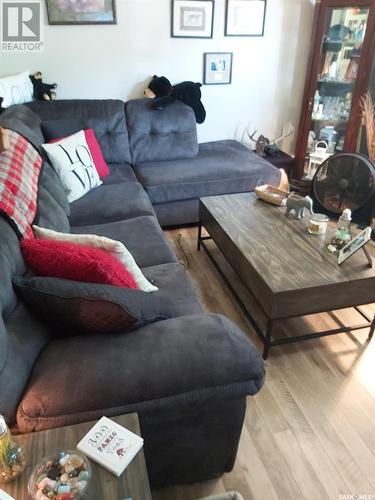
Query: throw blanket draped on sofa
[20, 166]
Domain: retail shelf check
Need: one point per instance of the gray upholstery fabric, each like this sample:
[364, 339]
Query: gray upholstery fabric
[157, 135]
[176, 291]
[106, 117]
[234, 371]
[25, 337]
[120, 172]
[22, 120]
[50, 214]
[177, 213]
[141, 235]
[51, 182]
[110, 203]
[221, 167]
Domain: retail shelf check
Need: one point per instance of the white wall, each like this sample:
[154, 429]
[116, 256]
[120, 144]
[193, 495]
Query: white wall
[117, 61]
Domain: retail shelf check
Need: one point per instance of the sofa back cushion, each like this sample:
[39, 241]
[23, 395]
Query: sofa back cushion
[106, 117]
[22, 336]
[158, 135]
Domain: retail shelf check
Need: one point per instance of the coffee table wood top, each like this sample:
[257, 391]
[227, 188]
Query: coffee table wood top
[103, 485]
[289, 271]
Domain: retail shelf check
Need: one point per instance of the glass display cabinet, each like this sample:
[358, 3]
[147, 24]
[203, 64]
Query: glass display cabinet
[338, 75]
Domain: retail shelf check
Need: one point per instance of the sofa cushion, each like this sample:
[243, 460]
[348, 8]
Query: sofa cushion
[221, 167]
[147, 369]
[120, 172]
[55, 129]
[157, 135]
[71, 261]
[49, 213]
[176, 290]
[142, 236]
[110, 203]
[72, 307]
[106, 117]
[52, 183]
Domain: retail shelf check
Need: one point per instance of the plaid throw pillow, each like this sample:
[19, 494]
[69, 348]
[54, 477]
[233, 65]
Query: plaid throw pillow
[20, 166]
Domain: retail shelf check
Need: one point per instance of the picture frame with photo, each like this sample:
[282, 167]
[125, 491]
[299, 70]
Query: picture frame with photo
[354, 245]
[192, 18]
[217, 68]
[245, 17]
[81, 12]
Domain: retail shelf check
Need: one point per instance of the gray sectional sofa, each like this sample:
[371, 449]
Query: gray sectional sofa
[187, 376]
[162, 148]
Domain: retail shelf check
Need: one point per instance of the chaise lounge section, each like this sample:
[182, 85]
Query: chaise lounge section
[162, 148]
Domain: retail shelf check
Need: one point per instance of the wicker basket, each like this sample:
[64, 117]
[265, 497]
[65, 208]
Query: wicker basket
[272, 194]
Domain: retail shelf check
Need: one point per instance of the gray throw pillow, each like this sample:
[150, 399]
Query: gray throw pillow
[78, 307]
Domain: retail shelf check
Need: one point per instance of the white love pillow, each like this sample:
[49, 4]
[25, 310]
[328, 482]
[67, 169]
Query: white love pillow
[74, 164]
[115, 248]
[16, 89]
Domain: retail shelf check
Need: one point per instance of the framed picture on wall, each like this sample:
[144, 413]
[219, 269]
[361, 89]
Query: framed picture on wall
[217, 68]
[81, 11]
[192, 18]
[245, 17]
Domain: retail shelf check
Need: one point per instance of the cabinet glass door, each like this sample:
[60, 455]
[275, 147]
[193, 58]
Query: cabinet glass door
[344, 34]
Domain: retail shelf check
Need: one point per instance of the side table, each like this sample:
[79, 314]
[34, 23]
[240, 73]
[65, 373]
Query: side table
[281, 160]
[133, 483]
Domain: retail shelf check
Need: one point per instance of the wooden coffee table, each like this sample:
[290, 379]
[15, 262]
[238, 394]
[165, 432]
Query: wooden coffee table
[133, 483]
[288, 271]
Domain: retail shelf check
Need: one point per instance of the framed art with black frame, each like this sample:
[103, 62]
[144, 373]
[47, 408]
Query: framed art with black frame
[245, 17]
[81, 11]
[217, 68]
[192, 18]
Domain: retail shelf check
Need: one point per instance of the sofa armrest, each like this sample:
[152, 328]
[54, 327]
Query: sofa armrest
[179, 361]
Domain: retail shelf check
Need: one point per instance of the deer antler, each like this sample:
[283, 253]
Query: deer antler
[288, 130]
[251, 137]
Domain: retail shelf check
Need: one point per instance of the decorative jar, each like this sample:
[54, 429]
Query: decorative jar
[12, 456]
[318, 224]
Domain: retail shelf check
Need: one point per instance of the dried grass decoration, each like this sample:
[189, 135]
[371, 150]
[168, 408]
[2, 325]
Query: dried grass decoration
[368, 108]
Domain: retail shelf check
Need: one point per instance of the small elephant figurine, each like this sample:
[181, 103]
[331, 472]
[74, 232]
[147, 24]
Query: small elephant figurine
[297, 205]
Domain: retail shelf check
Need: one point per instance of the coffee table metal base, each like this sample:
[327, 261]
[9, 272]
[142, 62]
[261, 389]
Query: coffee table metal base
[265, 334]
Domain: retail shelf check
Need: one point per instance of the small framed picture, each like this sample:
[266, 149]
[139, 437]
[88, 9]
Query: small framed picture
[354, 245]
[192, 18]
[245, 17]
[217, 68]
[81, 11]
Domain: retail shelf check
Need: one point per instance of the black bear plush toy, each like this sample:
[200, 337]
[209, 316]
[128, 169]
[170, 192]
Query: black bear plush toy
[42, 91]
[164, 93]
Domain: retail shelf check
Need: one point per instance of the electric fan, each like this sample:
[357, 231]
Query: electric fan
[345, 180]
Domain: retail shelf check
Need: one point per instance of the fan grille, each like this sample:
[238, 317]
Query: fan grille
[344, 181]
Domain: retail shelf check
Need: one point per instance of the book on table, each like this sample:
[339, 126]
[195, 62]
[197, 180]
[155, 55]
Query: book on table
[110, 445]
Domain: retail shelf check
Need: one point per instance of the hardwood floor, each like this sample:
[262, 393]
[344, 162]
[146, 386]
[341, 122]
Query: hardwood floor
[310, 432]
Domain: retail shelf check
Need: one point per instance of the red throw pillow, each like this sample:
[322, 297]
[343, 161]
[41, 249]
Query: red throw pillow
[95, 150]
[96, 153]
[75, 262]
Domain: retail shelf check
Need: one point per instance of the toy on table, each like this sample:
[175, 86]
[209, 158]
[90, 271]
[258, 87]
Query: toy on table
[296, 205]
[164, 93]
